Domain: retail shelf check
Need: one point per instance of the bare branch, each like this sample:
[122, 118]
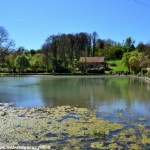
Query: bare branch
[3, 35]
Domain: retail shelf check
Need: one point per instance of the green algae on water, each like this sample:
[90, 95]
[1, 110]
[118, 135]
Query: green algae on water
[69, 127]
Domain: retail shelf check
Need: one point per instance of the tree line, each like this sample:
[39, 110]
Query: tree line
[61, 52]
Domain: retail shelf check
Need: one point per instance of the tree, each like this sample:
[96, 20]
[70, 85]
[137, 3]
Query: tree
[133, 60]
[37, 62]
[116, 52]
[129, 45]
[46, 50]
[145, 61]
[5, 42]
[22, 63]
[61, 50]
[135, 64]
[81, 44]
[10, 62]
[141, 47]
[100, 43]
[129, 42]
[125, 60]
[94, 42]
[33, 52]
[144, 48]
[109, 43]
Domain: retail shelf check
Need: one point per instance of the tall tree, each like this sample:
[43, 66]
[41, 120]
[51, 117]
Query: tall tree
[141, 47]
[94, 42]
[5, 42]
[46, 50]
[101, 43]
[129, 45]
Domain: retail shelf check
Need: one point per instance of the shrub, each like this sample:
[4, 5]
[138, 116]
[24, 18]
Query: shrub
[112, 64]
[96, 70]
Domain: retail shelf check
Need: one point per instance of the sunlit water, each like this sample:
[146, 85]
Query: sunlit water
[107, 94]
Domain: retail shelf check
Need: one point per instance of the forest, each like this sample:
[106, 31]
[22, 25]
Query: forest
[60, 53]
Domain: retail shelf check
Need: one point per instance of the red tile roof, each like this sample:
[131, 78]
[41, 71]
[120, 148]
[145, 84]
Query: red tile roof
[91, 59]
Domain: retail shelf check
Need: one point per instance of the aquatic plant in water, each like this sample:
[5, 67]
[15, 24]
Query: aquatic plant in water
[71, 128]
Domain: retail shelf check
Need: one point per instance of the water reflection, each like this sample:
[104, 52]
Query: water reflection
[23, 91]
[104, 93]
[101, 93]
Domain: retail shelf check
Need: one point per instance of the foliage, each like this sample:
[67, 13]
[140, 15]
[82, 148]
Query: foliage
[116, 52]
[10, 62]
[135, 61]
[148, 74]
[125, 60]
[21, 63]
[59, 51]
[37, 62]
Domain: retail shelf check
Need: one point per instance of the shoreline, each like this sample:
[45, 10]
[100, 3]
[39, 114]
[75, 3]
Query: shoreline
[145, 78]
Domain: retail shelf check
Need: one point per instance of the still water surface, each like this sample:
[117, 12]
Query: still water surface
[107, 94]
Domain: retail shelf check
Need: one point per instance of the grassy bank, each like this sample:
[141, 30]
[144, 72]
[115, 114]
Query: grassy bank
[117, 66]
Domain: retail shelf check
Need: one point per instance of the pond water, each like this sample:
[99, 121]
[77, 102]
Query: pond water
[107, 94]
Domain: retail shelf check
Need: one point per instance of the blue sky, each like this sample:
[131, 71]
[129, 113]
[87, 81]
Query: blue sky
[30, 22]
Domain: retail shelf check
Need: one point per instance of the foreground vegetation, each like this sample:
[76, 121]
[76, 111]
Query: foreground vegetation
[60, 54]
[69, 127]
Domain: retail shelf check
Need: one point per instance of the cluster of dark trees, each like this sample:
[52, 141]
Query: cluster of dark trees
[60, 53]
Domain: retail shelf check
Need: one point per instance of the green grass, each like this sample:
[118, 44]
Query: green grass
[119, 66]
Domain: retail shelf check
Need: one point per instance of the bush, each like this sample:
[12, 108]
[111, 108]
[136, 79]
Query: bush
[148, 74]
[96, 70]
[112, 64]
[62, 69]
[144, 71]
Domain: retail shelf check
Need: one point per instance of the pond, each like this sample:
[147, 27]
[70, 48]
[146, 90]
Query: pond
[121, 119]
[107, 94]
